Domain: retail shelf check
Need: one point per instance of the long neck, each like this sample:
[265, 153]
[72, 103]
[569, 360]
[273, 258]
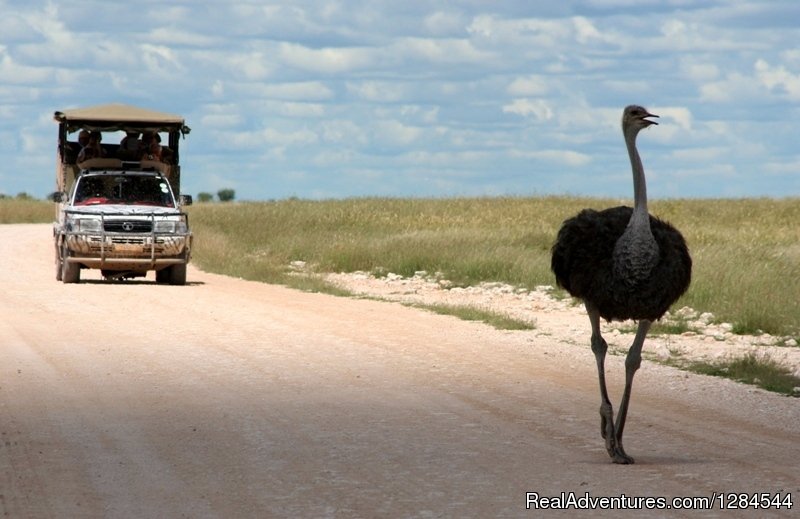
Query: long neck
[636, 251]
[640, 215]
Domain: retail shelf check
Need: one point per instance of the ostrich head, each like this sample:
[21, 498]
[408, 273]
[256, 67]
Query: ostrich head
[634, 118]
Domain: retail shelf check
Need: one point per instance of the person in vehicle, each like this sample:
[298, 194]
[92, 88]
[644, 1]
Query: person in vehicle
[130, 146]
[92, 149]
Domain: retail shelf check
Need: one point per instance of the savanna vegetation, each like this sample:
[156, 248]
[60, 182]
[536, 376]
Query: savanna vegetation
[746, 252]
[25, 210]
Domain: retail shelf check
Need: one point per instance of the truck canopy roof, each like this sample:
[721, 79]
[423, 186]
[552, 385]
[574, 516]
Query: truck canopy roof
[114, 117]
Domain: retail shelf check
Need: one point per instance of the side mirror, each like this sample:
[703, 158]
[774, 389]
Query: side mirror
[185, 199]
[58, 197]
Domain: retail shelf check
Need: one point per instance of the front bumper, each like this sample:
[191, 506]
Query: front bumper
[127, 251]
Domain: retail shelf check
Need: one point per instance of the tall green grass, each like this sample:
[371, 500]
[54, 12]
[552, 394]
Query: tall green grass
[746, 252]
[759, 369]
[17, 210]
[470, 240]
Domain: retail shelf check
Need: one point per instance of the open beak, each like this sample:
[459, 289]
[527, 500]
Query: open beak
[648, 121]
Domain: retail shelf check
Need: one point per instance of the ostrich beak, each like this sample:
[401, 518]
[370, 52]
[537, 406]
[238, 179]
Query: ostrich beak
[648, 121]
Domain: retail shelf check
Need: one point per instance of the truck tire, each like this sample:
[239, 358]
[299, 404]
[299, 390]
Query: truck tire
[177, 274]
[70, 272]
[162, 276]
[59, 267]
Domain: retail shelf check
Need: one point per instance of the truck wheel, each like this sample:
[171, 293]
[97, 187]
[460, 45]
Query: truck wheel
[59, 267]
[162, 276]
[177, 274]
[70, 272]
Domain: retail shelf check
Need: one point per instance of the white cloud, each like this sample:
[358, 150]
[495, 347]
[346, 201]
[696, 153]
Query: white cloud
[326, 60]
[343, 132]
[253, 66]
[377, 91]
[566, 157]
[395, 133]
[701, 71]
[218, 89]
[16, 73]
[221, 121]
[440, 50]
[278, 137]
[699, 155]
[778, 78]
[680, 35]
[221, 117]
[306, 91]
[585, 29]
[48, 24]
[438, 159]
[173, 35]
[536, 108]
[680, 115]
[300, 110]
[443, 23]
[425, 115]
[735, 86]
[528, 86]
[160, 59]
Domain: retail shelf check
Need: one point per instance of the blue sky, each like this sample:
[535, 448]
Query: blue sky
[330, 99]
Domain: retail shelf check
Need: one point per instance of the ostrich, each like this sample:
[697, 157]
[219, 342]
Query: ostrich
[624, 264]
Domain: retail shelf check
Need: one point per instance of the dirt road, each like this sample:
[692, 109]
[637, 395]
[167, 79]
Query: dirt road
[226, 398]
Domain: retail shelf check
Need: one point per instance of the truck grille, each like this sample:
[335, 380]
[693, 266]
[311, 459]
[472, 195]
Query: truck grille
[128, 226]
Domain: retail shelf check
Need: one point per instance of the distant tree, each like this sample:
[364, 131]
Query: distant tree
[24, 196]
[226, 195]
[204, 197]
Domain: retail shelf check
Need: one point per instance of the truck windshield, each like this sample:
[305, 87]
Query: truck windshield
[129, 190]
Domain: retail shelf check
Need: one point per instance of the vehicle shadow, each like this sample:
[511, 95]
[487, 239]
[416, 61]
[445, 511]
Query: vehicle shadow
[128, 282]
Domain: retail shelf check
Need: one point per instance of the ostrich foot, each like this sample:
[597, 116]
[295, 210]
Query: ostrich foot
[617, 453]
[612, 439]
[619, 456]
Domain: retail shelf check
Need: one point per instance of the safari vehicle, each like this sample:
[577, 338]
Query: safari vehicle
[117, 208]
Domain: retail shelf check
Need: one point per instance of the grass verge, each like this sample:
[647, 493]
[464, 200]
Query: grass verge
[756, 368]
[470, 313]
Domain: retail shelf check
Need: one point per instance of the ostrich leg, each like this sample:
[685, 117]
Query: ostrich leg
[632, 363]
[599, 348]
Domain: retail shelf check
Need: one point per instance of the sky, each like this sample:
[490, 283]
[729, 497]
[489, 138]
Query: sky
[333, 98]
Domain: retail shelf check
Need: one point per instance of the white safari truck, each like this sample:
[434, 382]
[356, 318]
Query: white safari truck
[118, 194]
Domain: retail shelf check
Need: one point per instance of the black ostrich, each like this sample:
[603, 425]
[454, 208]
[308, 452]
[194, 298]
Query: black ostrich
[624, 264]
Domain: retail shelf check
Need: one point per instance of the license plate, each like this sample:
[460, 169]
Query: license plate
[127, 247]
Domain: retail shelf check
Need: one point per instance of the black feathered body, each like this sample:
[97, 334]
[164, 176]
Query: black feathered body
[621, 285]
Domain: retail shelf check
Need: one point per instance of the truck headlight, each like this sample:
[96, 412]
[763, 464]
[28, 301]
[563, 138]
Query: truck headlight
[85, 225]
[170, 226]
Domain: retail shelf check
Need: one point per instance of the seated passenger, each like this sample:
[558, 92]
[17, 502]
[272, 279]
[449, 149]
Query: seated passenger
[83, 138]
[167, 155]
[92, 149]
[153, 152]
[130, 146]
[71, 149]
